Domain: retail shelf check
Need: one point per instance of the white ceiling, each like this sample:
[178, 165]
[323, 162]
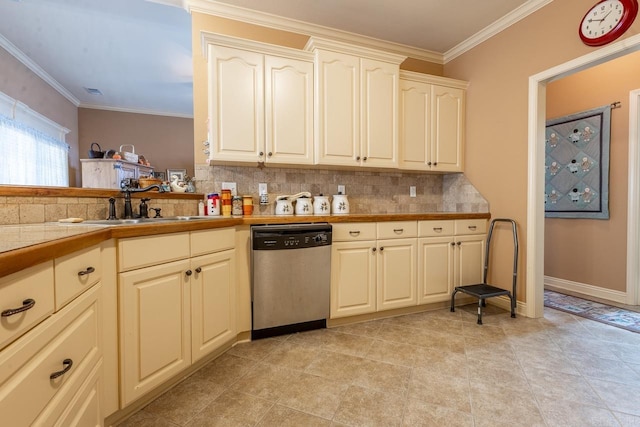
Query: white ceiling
[138, 52]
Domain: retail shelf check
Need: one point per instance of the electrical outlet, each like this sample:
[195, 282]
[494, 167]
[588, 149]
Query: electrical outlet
[262, 188]
[412, 191]
[341, 189]
[230, 186]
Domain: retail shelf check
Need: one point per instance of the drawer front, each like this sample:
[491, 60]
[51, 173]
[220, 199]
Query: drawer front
[151, 250]
[470, 226]
[75, 273]
[208, 241]
[26, 367]
[35, 283]
[397, 229]
[435, 228]
[354, 231]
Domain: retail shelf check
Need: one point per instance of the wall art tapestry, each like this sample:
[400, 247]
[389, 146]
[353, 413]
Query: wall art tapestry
[577, 165]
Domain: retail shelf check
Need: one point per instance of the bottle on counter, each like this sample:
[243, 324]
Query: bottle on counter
[236, 205]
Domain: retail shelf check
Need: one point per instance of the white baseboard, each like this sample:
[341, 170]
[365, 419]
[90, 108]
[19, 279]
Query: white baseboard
[589, 290]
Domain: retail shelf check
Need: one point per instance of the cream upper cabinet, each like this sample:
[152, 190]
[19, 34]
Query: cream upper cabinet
[356, 105]
[432, 120]
[260, 102]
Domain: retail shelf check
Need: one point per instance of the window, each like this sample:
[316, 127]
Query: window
[32, 146]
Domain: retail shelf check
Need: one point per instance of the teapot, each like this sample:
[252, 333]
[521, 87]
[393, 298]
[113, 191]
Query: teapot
[340, 204]
[321, 205]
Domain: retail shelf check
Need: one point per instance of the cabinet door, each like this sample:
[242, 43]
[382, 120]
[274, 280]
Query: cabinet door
[338, 109]
[448, 129]
[435, 269]
[379, 113]
[469, 259]
[288, 110]
[213, 302]
[236, 104]
[353, 278]
[397, 273]
[415, 125]
[155, 324]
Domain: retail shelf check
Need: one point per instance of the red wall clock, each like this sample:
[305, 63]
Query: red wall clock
[607, 20]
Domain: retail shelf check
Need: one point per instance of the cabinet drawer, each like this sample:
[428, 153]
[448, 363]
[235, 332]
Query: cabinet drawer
[435, 228]
[208, 241]
[151, 250]
[35, 283]
[470, 226]
[397, 229]
[354, 231]
[75, 273]
[28, 394]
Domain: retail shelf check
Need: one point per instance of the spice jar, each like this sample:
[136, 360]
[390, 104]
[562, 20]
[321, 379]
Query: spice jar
[236, 205]
[247, 205]
[226, 202]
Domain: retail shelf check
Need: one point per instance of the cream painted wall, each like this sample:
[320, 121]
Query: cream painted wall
[497, 111]
[594, 252]
[164, 141]
[22, 84]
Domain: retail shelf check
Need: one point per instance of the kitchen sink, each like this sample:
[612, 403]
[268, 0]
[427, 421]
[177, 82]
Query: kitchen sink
[134, 221]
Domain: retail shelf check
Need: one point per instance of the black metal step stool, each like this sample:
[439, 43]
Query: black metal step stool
[482, 291]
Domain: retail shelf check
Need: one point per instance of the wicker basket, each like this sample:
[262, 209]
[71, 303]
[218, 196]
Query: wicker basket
[147, 181]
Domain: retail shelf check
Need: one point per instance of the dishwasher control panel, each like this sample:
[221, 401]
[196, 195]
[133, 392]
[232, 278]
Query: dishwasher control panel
[294, 236]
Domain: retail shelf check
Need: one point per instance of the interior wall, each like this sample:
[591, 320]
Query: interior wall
[20, 83]
[590, 251]
[164, 141]
[498, 70]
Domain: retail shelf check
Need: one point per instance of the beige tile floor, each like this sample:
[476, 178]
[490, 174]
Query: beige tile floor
[429, 369]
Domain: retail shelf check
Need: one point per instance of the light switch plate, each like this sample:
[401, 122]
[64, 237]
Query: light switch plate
[262, 188]
[341, 189]
[412, 191]
[230, 186]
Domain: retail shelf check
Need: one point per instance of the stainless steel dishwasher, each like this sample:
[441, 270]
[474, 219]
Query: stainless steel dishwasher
[291, 274]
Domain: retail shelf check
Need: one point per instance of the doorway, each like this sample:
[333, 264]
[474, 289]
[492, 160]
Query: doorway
[535, 191]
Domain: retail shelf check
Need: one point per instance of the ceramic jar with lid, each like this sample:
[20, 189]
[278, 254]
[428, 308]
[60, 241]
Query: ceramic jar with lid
[340, 204]
[321, 205]
[304, 206]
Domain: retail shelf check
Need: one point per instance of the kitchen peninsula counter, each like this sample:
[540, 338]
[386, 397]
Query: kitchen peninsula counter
[28, 244]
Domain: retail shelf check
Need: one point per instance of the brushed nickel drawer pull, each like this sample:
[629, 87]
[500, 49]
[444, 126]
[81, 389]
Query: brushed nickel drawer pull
[68, 363]
[437, 229]
[26, 305]
[472, 227]
[89, 270]
[398, 230]
[354, 233]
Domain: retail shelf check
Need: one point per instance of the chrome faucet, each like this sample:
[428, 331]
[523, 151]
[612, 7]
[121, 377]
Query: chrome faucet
[126, 188]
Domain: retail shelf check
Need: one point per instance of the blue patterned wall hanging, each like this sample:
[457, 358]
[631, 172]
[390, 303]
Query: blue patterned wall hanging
[577, 165]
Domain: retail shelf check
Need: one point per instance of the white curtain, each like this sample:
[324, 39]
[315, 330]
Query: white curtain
[30, 157]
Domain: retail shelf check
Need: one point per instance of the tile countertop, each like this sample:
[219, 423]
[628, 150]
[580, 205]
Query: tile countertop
[26, 245]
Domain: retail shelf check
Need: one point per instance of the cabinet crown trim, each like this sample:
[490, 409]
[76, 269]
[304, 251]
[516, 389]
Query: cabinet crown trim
[430, 79]
[209, 38]
[315, 43]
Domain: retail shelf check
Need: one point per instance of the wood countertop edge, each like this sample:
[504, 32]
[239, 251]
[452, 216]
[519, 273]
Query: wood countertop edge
[19, 259]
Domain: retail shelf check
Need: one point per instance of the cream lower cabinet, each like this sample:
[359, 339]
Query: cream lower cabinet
[173, 313]
[50, 356]
[450, 253]
[370, 274]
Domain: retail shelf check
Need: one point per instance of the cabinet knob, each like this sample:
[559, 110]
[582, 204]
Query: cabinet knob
[358, 158]
[260, 154]
[373, 249]
[364, 158]
[435, 163]
[458, 243]
[188, 272]
[381, 248]
[26, 305]
[453, 243]
[89, 270]
[67, 363]
[269, 154]
[198, 270]
[428, 163]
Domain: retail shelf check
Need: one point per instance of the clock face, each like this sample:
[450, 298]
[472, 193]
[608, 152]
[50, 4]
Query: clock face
[607, 20]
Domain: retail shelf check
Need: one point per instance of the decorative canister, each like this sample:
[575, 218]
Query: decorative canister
[321, 205]
[247, 205]
[304, 206]
[213, 204]
[226, 202]
[236, 205]
[340, 204]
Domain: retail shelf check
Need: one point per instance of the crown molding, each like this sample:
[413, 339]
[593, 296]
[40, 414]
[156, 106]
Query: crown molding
[136, 111]
[211, 7]
[207, 38]
[430, 79]
[501, 24]
[36, 69]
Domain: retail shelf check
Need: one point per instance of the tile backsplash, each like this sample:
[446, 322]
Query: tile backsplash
[368, 191]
